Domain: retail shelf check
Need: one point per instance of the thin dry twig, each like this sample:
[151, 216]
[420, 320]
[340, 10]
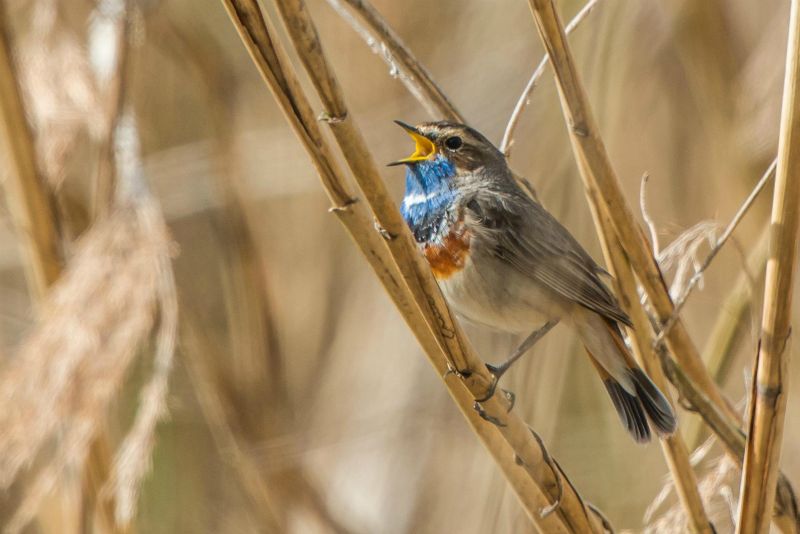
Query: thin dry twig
[384, 41]
[525, 98]
[768, 393]
[604, 194]
[698, 274]
[519, 455]
[731, 327]
[648, 220]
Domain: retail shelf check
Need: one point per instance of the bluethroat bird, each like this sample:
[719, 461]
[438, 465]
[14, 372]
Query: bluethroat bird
[504, 261]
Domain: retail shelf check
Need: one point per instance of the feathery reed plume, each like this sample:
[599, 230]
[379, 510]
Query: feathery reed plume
[680, 292]
[67, 372]
[718, 487]
[769, 388]
[61, 382]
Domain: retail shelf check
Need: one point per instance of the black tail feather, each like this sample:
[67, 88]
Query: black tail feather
[630, 411]
[658, 409]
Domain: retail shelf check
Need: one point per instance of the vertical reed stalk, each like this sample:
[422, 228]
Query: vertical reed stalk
[769, 387]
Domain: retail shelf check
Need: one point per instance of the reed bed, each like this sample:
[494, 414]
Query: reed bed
[189, 342]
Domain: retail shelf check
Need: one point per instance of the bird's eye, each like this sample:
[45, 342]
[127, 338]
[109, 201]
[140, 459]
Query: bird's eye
[453, 143]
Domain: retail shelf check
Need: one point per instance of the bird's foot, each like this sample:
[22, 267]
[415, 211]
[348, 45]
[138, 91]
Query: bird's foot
[497, 373]
[486, 416]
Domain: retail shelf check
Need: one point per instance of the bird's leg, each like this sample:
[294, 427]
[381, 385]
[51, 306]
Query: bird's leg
[524, 347]
[499, 370]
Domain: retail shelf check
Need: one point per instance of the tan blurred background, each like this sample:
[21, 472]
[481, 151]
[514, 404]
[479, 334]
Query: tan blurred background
[326, 400]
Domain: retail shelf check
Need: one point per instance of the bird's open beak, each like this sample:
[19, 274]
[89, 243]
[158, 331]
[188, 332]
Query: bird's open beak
[424, 148]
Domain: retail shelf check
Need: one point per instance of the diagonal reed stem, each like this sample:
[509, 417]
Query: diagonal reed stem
[674, 447]
[414, 75]
[769, 389]
[534, 476]
[604, 192]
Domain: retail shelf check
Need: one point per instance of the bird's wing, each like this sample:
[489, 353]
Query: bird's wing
[522, 233]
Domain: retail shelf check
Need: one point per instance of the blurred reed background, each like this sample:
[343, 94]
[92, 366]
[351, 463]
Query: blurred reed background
[286, 409]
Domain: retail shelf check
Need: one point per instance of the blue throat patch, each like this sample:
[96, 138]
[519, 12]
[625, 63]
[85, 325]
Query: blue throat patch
[429, 193]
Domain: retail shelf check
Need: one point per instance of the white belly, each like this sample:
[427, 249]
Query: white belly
[498, 296]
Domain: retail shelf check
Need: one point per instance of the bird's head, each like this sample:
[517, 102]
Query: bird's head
[448, 146]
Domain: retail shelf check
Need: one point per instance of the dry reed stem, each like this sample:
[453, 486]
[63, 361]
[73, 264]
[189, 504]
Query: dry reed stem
[536, 479]
[524, 99]
[603, 190]
[769, 389]
[399, 56]
[731, 323]
[27, 196]
[674, 448]
[786, 511]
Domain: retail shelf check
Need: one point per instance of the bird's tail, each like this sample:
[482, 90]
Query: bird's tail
[636, 398]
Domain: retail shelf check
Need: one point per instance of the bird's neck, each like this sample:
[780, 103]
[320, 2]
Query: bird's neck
[429, 193]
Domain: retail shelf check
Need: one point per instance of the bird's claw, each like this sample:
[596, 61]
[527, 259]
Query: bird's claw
[511, 398]
[485, 416]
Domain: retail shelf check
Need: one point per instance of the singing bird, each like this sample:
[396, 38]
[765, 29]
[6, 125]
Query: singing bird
[504, 261]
